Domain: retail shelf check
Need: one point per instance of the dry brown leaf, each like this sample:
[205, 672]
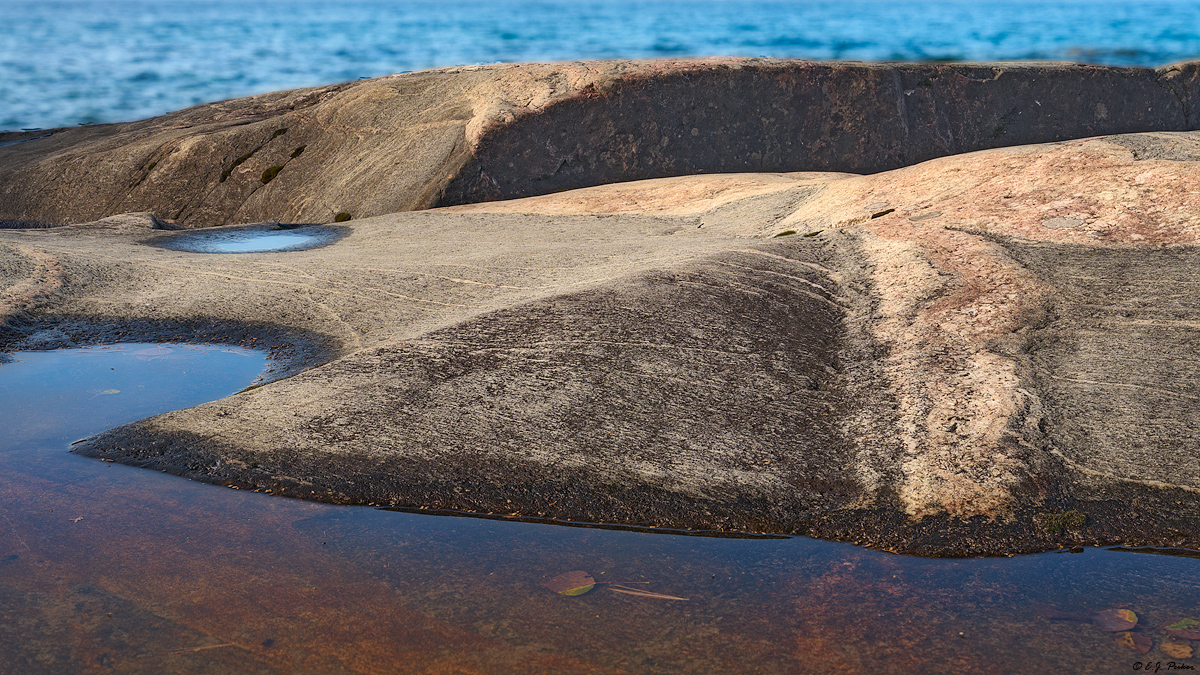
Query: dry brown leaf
[1176, 650]
[1114, 620]
[1135, 641]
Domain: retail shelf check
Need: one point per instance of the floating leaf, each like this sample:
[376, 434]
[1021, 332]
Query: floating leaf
[571, 583]
[1114, 620]
[1135, 641]
[1188, 629]
[1176, 650]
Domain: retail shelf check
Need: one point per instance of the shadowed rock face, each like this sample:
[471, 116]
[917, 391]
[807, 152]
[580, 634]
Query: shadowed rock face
[464, 135]
[989, 352]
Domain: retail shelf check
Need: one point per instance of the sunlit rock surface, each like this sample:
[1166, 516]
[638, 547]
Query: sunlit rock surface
[988, 352]
[461, 135]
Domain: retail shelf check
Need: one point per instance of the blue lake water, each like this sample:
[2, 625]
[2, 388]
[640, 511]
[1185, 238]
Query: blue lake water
[67, 62]
[110, 569]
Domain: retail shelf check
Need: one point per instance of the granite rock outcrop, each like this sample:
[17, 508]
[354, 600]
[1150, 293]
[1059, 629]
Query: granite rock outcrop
[464, 135]
[986, 352]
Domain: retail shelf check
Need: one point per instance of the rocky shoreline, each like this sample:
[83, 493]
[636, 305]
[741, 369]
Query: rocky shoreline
[983, 346]
[465, 135]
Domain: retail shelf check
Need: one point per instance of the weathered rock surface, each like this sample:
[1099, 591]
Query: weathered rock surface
[990, 352]
[463, 135]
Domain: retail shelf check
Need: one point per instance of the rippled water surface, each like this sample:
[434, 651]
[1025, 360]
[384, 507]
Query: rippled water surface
[110, 569]
[67, 62]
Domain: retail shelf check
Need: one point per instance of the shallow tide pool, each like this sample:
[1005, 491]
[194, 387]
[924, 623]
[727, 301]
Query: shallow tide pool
[110, 569]
[249, 239]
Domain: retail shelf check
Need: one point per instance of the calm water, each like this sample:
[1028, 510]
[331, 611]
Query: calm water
[70, 62]
[252, 239]
[55, 397]
[110, 569]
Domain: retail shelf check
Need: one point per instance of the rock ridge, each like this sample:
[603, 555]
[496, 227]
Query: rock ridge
[465, 135]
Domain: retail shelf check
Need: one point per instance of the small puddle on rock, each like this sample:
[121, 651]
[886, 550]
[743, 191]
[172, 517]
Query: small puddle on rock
[252, 239]
[64, 394]
[107, 568]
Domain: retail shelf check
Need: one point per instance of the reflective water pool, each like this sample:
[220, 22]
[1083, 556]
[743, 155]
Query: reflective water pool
[254, 239]
[110, 569]
[55, 397]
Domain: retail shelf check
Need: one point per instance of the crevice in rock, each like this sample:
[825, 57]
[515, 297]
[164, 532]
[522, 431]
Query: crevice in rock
[241, 160]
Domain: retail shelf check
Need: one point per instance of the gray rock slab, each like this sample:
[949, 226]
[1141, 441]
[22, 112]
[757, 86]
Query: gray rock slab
[576, 367]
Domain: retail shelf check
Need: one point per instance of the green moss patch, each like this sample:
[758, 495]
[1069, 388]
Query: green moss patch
[270, 173]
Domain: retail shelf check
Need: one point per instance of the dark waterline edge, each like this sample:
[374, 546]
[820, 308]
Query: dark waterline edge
[645, 529]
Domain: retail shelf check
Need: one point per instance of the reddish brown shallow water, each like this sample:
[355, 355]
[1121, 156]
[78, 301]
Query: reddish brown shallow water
[108, 569]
